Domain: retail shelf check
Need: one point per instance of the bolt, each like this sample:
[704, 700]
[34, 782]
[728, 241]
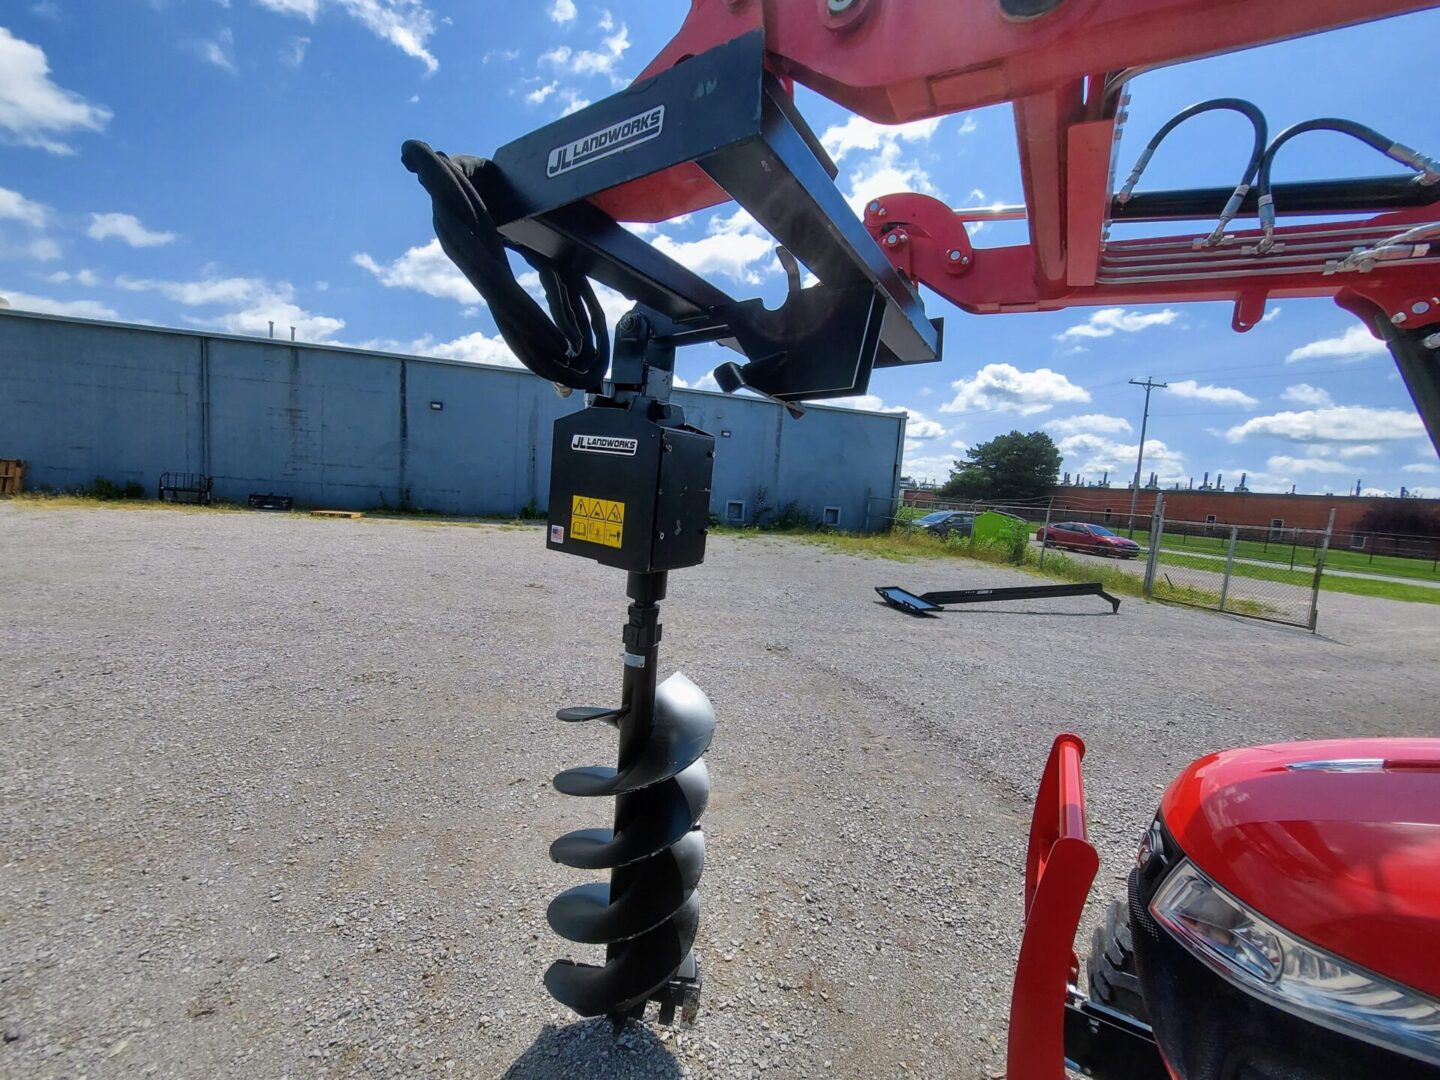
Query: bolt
[1398, 319]
[628, 321]
[874, 206]
[953, 255]
[1420, 307]
[892, 239]
[1433, 341]
[965, 261]
[836, 7]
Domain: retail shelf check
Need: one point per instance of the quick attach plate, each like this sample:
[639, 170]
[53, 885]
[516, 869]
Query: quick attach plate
[723, 112]
[629, 492]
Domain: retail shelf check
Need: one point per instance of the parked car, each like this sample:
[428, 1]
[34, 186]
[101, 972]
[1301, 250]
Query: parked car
[1091, 539]
[943, 523]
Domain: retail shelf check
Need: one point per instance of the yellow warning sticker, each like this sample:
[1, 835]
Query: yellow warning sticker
[597, 521]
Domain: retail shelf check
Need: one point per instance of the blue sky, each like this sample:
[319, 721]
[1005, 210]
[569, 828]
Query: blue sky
[224, 163]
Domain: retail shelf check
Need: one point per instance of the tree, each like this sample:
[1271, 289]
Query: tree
[1014, 466]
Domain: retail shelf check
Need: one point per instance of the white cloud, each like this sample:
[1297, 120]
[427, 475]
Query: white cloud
[589, 61]
[1219, 395]
[736, 246]
[253, 302]
[40, 248]
[425, 269]
[406, 24]
[219, 50]
[126, 227]
[540, 93]
[79, 309]
[1271, 315]
[15, 207]
[573, 101]
[1305, 394]
[562, 11]
[1005, 388]
[1427, 467]
[1342, 423]
[883, 170]
[1097, 422]
[1089, 454]
[293, 54]
[1109, 321]
[476, 348]
[1298, 466]
[33, 216]
[80, 277]
[32, 108]
[1355, 343]
[857, 133]
[1363, 450]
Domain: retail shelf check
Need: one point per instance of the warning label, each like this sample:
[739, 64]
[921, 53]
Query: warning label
[597, 521]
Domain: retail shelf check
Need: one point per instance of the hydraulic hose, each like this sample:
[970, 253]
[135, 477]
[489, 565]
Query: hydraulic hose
[1246, 109]
[1428, 168]
[570, 346]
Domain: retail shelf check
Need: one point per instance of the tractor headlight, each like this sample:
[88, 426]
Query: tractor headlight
[1267, 962]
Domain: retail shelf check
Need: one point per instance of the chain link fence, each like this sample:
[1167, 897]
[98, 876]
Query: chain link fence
[1262, 572]
[1239, 569]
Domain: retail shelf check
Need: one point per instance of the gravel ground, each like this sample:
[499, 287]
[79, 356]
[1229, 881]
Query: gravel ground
[277, 797]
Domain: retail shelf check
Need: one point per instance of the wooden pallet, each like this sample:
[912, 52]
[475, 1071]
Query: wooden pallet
[12, 476]
[337, 513]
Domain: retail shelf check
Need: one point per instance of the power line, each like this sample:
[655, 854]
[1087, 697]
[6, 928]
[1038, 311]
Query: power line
[1149, 384]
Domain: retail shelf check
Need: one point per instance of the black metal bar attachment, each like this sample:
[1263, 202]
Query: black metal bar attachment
[1109, 1045]
[931, 602]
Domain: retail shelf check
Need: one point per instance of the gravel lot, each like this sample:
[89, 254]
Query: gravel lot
[276, 798]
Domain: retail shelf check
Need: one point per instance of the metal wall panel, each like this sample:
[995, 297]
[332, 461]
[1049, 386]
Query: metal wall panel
[344, 428]
[79, 401]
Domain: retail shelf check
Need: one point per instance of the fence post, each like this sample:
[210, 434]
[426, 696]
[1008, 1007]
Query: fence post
[1047, 529]
[1157, 534]
[1229, 563]
[1319, 571]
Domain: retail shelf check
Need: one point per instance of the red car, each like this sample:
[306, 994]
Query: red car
[1092, 539]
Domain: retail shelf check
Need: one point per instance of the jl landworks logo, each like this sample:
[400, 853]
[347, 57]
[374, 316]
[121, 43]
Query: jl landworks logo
[604, 444]
[641, 127]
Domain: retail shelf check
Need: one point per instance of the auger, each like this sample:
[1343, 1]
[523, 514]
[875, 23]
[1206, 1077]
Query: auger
[630, 487]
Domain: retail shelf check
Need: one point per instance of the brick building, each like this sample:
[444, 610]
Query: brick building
[1279, 511]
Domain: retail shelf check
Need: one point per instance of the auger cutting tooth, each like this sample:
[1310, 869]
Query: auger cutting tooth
[658, 889]
[650, 820]
[636, 970]
[684, 725]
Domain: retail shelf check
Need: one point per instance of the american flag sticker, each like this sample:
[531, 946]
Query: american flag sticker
[557, 534]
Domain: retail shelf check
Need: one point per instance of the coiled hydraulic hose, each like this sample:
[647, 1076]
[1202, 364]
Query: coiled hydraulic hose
[571, 346]
[1246, 109]
[1428, 168]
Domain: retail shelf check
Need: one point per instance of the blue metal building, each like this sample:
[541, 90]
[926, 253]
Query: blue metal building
[345, 428]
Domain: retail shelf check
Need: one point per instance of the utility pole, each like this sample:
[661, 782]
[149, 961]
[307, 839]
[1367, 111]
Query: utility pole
[1149, 384]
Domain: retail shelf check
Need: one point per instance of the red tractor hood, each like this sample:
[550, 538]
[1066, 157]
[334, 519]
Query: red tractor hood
[1336, 841]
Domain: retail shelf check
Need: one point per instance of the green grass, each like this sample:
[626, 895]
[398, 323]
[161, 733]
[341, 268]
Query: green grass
[1385, 590]
[1338, 558]
[908, 545]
